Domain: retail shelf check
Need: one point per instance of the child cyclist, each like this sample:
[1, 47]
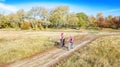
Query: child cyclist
[70, 39]
[62, 40]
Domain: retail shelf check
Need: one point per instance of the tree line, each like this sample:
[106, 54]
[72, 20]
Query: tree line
[58, 17]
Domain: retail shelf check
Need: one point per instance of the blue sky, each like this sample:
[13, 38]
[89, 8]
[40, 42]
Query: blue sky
[90, 7]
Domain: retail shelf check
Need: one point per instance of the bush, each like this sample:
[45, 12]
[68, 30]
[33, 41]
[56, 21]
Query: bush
[25, 25]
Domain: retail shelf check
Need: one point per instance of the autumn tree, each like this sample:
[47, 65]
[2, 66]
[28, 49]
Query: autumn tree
[92, 21]
[100, 20]
[116, 22]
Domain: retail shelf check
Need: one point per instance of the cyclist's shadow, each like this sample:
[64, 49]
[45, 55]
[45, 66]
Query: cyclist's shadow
[58, 45]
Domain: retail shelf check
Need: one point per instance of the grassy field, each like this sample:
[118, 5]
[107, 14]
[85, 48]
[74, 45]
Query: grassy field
[15, 45]
[104, 52]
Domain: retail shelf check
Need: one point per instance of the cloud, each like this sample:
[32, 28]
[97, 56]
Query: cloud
[111, 10]
[8, 8]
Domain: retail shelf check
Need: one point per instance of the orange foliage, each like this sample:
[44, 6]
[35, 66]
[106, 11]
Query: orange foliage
[25, 25]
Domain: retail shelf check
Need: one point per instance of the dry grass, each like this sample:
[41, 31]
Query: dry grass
[15, 45]
[104, 52]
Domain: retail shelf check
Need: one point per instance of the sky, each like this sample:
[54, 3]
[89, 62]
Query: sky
[90, 7]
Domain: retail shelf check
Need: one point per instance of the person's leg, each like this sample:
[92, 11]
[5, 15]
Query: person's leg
[60, 42]
[63, 42]
[72, 45]
[69, 46]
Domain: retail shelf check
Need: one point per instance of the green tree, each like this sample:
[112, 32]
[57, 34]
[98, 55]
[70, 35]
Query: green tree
[58, 16]
[83, 19]
[33, 17]
[73, 20]
[44, 16]
[4, 23]
[14, 20]
[21, 15]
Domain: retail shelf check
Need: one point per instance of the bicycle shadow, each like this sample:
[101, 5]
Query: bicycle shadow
[58, 45]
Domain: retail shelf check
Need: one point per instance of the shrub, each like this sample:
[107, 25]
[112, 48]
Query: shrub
[25, 25]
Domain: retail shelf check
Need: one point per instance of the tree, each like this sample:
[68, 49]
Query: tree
[58, 16]
[33, 13]
[1, 16]
[109, 18]
[44, 16]
[38, 13]
[33, 16]
[14, 20]
[92, 21]
[103, 22]
[25, 25]
[4, 23]
[99, 15]
[100, 20]
[108, 21]
[116, 22]
[43, 13]
[21, 15]
[73, 20]
[83, 19]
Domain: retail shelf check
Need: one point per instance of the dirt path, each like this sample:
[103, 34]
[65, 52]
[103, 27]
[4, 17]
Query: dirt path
[50, 58]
